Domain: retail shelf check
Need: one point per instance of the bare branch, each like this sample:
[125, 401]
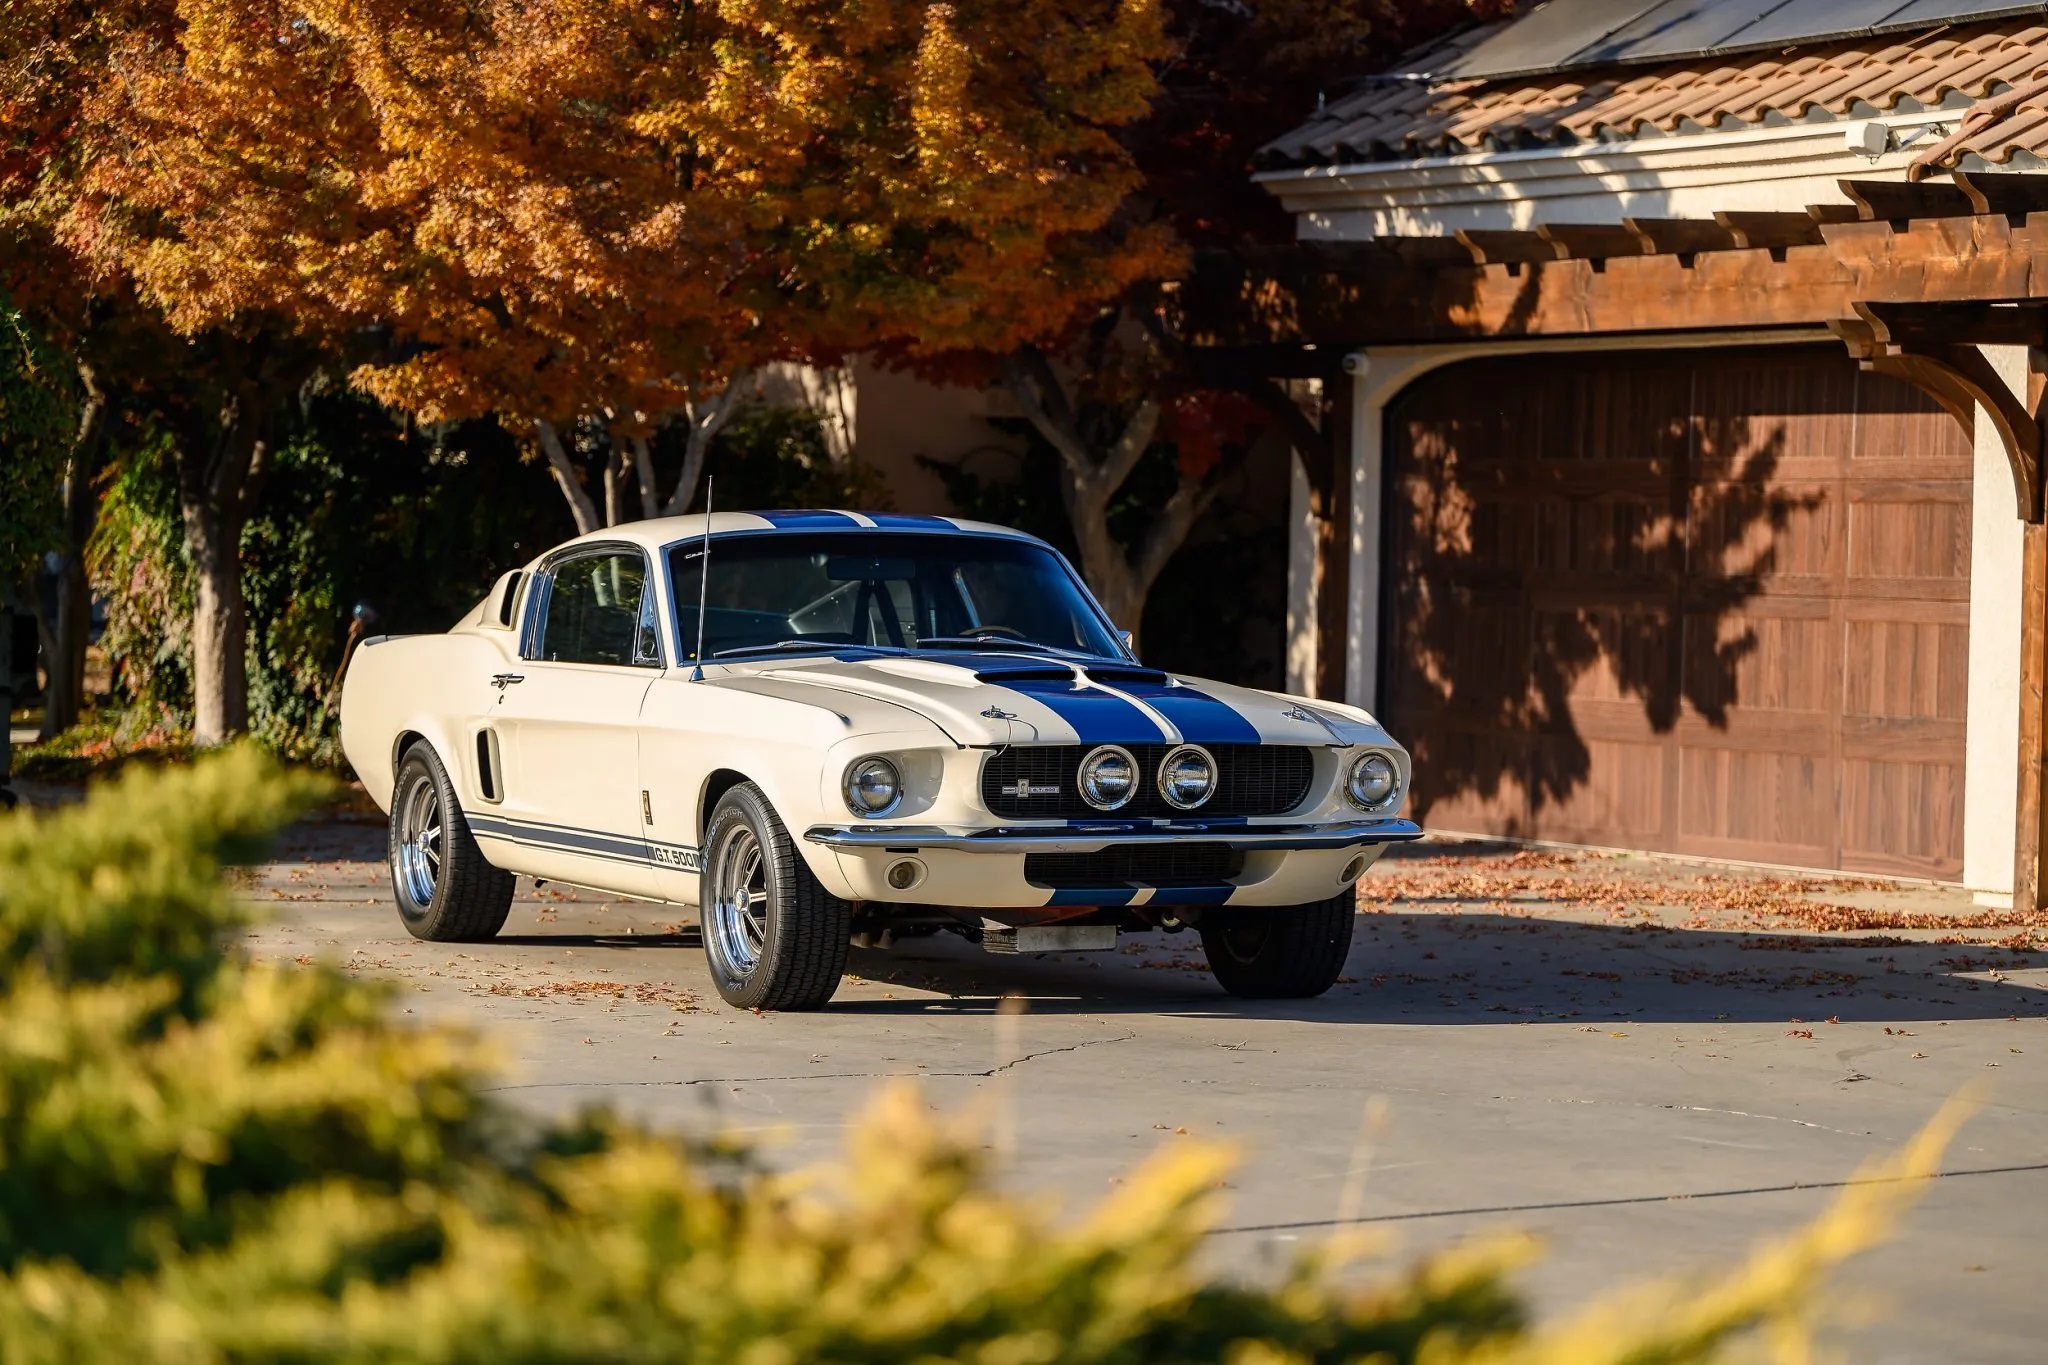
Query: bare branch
[643, 470]
[614, 492]
[706, 420]
[1131, 446]
[1044, 403]
[564, 470]
[1170, 527]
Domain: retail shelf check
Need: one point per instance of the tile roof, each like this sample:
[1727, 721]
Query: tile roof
[1956, 66]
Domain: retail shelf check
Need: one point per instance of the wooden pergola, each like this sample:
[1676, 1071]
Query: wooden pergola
[1912, 277]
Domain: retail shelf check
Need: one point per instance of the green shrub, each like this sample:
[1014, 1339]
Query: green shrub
[203, 1158]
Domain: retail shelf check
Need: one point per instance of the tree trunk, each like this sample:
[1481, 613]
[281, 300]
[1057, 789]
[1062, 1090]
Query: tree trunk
[220, 623]
[219, 482]
[564, 469]
[64, 699]
[1120, 576]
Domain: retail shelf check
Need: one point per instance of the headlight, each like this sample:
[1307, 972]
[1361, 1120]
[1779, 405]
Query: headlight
[1373, 782]
[1187, 777]
[1109, 777]
[873, 787]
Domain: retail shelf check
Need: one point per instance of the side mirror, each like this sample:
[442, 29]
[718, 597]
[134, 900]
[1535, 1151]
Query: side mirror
[1124, 638]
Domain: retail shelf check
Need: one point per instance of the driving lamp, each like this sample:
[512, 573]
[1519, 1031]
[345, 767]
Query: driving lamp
[1373, 782]
[873, 787]
[1187, 777]
[1109, 777]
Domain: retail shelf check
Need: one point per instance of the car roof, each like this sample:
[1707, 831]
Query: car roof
[657, 532]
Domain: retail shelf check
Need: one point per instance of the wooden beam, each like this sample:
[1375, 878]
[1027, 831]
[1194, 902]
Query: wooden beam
[1592, 241]
[1980, 324]
[2014, 195]
[1491, 246]
[1426, 253]
[1828, 214]
[2030, 839]
[1298, 293]
[1775, 231]
[1956, 374]
[1681, 236]
[1900, 201]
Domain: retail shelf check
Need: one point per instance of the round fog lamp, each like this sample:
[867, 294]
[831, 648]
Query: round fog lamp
[873, 787]
[1187, 777]
[1373, 782]
[1109, 777]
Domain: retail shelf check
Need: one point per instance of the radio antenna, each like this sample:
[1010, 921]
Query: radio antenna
[704, 581]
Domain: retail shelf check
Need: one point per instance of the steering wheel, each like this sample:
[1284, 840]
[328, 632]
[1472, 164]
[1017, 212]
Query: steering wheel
[976, 632]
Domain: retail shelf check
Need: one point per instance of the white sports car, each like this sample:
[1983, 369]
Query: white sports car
[874, 725]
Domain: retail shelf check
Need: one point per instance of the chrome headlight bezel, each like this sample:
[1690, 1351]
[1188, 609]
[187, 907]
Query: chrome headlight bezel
[1103, 753]
[1175, 754]
[868, 766]
[1356, 780]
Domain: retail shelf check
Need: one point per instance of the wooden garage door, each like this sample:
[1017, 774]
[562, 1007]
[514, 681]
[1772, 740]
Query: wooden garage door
[1711, 602]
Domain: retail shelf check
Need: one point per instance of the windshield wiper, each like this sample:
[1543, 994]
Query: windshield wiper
[997, 645]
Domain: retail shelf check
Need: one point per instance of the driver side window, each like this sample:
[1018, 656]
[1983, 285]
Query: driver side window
[599, 612]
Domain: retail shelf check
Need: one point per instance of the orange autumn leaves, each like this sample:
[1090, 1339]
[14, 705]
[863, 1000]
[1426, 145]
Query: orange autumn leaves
[549, 210]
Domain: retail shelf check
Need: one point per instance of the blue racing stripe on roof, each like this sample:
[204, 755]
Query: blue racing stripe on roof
[908, 521]
[1200, 718]
[808, 520]
[1098, 717]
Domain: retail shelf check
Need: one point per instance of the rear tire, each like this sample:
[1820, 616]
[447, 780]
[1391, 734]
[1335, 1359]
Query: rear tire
[775, 938]
[1288, 952]
[446, 891]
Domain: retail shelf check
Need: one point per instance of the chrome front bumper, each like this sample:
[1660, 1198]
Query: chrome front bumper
[1094, 838]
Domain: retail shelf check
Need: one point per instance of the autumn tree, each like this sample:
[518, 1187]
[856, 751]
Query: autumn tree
[1105, 380]
[96, 263]
[596, 219]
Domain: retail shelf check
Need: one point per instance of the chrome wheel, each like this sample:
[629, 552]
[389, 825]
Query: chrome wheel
[418, 851]
[739, 902]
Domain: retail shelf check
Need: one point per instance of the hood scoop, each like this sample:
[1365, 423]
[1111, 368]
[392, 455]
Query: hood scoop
[1125, 673]
[1004, 675]
[1112, 675]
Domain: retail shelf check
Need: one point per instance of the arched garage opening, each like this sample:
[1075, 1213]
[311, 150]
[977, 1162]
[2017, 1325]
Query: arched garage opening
[1710, 602]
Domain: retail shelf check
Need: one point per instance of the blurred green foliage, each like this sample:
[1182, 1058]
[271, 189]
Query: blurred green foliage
[360, 510]
[205, 1158]
[38, 405]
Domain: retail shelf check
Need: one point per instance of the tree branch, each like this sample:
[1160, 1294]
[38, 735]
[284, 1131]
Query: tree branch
[1044, 403]
[1131, 446]
[643, 470]
[564, 470]
[706, 421]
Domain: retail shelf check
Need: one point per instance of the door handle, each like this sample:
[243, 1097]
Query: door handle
[501, 681]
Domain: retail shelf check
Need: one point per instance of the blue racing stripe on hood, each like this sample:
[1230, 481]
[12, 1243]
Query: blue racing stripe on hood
[1200, 718]
[1098, 717]
[811, 521]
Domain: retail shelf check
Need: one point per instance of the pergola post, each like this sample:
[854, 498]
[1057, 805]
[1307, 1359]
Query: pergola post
[2030, 845]
[1935, 347]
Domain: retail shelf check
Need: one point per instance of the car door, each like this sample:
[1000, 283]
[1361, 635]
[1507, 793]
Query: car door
[568, 721]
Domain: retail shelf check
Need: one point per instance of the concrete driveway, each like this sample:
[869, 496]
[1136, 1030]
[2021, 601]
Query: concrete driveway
[1651, 1064]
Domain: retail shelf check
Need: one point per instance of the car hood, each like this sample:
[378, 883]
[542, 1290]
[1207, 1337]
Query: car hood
[996, 698]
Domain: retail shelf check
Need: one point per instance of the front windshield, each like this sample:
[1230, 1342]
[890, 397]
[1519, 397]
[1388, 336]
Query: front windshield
[887, 590]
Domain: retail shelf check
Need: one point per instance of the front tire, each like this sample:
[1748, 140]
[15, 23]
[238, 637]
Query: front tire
[774, 937]
[446, 891]
[1290, 952]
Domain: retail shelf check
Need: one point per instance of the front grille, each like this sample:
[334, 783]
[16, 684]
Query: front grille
[1136, 865]
[1252, 779]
